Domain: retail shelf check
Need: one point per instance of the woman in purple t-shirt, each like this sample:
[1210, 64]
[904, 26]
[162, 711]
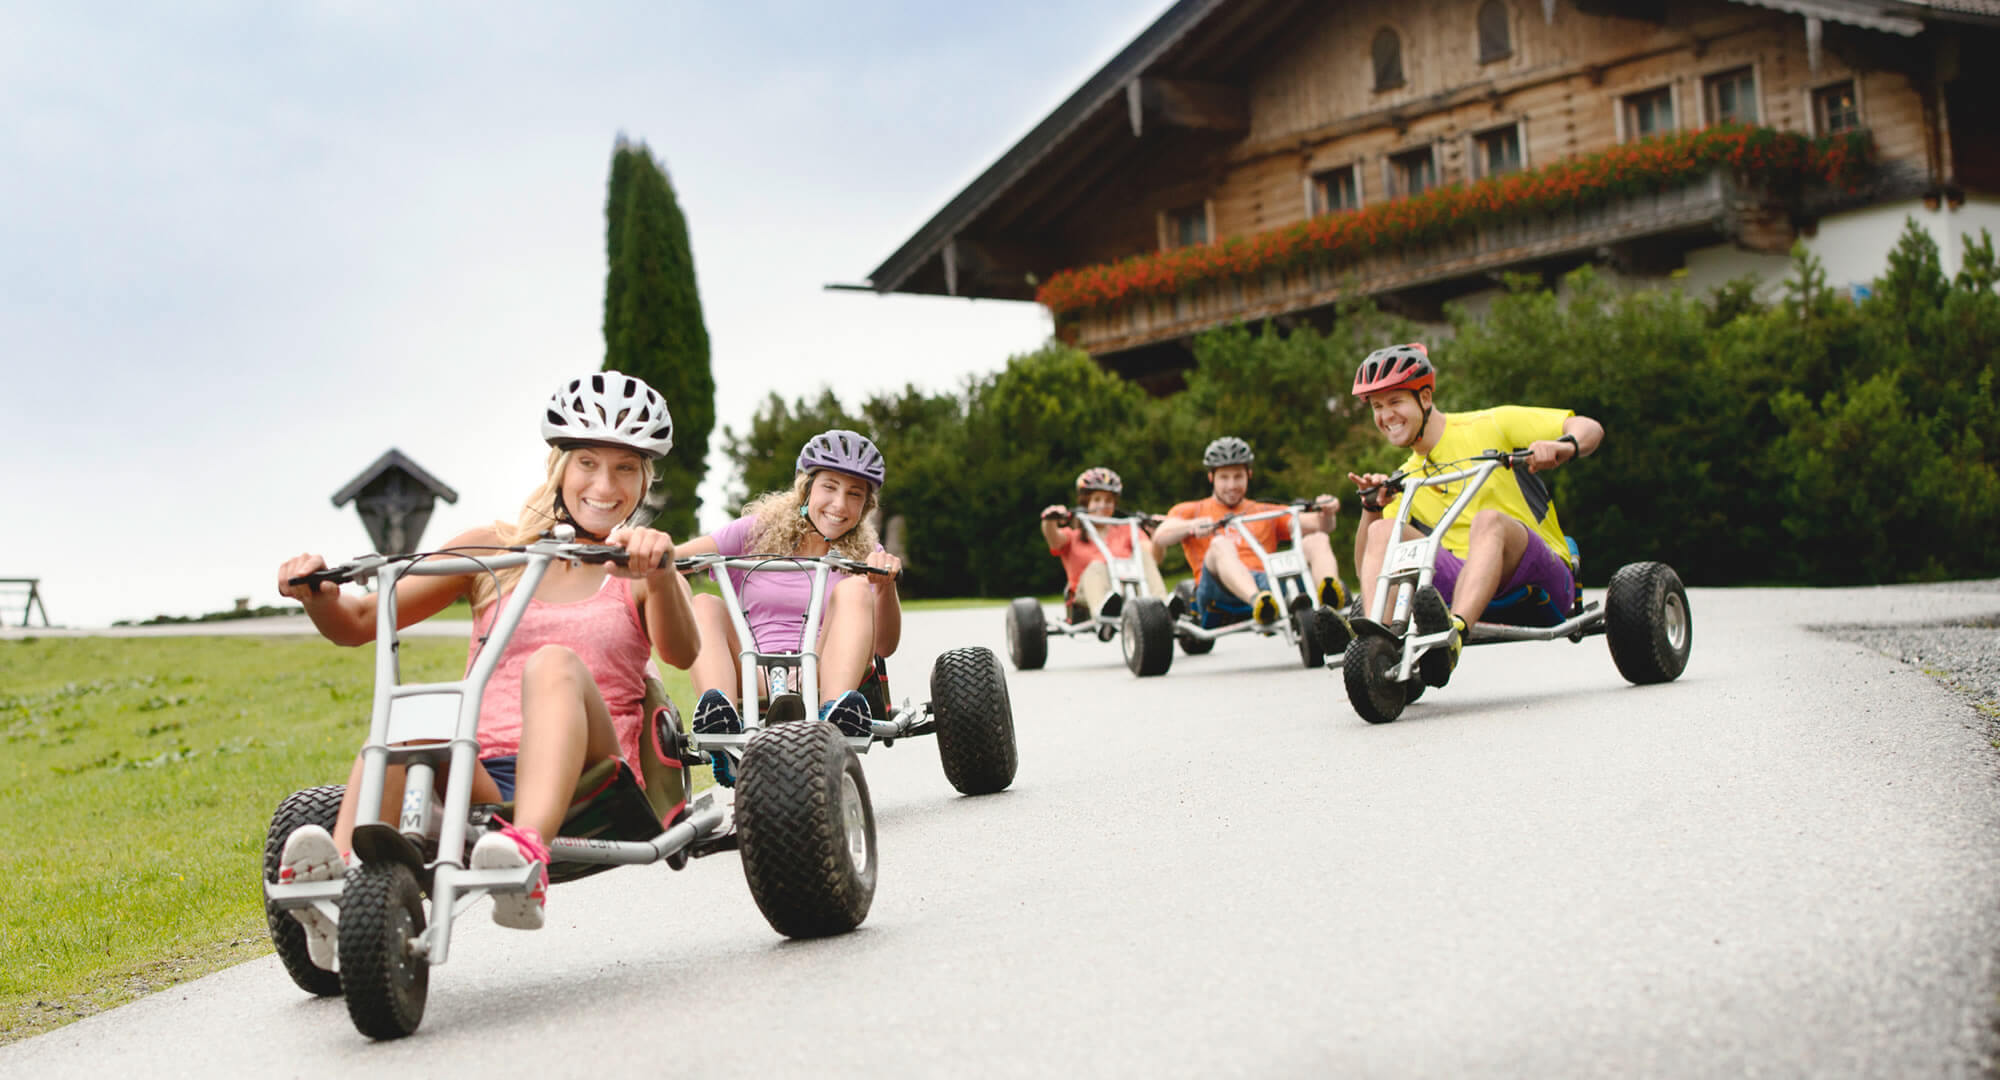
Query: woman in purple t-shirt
[825, 511]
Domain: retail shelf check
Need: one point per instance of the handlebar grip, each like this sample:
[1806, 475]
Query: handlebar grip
[330, 576]
[599, 553]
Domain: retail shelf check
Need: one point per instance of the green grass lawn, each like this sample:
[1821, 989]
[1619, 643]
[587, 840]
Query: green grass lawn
[138, 781]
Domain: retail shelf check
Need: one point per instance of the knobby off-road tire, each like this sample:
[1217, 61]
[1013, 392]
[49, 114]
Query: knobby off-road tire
[975, 721]
[1027, 634]
[381, 912]
[313, 806]
[1366, 669]
[1306, 633]
[1147, 637]
[807, 830]
[1647, 623]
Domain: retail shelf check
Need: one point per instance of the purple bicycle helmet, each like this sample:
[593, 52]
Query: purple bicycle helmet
[848, 452]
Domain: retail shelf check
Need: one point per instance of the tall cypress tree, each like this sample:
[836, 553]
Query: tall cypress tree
[653, 327]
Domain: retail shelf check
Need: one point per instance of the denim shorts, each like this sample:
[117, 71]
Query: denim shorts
[1220, 607]
[501, 769]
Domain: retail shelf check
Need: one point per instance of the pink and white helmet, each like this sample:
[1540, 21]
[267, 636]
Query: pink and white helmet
[608, 408]
[843, 451]
[1100, 479]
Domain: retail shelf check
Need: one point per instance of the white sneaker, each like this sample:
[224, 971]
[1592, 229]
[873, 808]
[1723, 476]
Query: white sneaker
[505, 848]
[310, 856]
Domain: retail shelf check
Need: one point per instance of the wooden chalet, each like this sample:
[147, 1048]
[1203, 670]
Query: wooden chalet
[1198, 178]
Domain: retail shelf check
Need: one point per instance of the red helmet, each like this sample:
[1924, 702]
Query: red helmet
[1398, 367]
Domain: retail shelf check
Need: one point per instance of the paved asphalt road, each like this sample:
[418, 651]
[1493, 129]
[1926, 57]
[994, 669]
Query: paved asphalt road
[1785, 864]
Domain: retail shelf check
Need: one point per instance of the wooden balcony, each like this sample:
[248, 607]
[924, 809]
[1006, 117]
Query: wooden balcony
[1708, 211]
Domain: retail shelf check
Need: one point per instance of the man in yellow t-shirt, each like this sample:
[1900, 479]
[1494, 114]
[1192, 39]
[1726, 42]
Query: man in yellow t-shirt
[1508, 538]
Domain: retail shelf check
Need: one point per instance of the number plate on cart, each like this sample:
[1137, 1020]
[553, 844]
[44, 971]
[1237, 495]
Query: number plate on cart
[1408, 555]
[423, 717]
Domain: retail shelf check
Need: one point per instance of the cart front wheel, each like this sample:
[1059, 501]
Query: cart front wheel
[1367, 669]
[381, 920]
[807, 830]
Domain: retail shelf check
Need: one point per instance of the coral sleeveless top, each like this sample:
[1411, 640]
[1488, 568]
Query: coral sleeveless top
[603, 630]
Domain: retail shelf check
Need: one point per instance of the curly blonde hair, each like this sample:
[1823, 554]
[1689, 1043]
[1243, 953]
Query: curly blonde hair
[778, 528]
[539, 514]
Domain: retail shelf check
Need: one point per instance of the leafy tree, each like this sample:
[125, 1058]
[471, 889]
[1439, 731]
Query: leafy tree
[653, 326]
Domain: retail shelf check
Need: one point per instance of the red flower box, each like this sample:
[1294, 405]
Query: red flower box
[1780, 160]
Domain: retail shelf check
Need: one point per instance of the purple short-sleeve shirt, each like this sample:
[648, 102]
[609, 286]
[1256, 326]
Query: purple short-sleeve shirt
[774, 600]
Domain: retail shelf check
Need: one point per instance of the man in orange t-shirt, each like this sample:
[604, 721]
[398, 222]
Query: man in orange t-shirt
[1097, 493]
[1230, 582]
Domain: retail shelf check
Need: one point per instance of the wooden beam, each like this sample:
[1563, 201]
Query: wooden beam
[1156, 104]
[950, 254]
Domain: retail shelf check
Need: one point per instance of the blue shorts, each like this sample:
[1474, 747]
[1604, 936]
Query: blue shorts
[501, 769]
[1220, 607]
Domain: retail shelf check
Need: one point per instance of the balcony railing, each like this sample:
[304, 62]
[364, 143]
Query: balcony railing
[1712, 206]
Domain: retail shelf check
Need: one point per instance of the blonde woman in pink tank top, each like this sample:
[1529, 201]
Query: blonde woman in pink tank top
[568, 690]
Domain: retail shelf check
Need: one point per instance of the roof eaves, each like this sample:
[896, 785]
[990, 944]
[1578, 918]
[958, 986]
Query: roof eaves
[1868, 16]
[393, 458]
[1101, 87]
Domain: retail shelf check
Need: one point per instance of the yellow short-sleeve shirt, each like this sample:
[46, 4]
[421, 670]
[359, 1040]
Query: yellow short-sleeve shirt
[1517, 493]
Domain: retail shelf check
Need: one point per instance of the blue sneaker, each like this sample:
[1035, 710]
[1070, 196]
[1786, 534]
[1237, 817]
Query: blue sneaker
[715, 715]
[849, 713]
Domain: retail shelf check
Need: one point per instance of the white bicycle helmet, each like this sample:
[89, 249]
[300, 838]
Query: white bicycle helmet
[1228, 450]
[609, 408]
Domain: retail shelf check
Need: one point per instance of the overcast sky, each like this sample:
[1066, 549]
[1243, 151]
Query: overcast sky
[245, 248]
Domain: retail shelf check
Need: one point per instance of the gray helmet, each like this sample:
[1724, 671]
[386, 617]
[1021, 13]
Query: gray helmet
[1228, 450]
[842, 451]
[608, 408]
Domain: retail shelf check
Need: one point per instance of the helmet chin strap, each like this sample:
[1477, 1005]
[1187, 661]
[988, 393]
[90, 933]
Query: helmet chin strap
[814, 526]
[563, 516]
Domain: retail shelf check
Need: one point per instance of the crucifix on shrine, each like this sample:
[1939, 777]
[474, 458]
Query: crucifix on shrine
[394, 498]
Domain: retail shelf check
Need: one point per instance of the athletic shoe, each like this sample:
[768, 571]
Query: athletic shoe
[1177, 606]
[309, 855]
[1332, 629]
[714, 714]
[849, 713]
[1265, 609]
[1114, 606]
[1331, 593]
[505, 848]
[1430, 616]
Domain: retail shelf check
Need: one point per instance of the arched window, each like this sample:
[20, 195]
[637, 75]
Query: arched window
[1388, 50]
[1495, 43]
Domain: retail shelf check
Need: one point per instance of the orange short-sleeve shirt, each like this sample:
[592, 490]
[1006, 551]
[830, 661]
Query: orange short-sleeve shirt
[1077, 552]
[1270, 532]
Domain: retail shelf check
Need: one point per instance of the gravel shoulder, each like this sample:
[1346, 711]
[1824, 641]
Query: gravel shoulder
[1963, 654]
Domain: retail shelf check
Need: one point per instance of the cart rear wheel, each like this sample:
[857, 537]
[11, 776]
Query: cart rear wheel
[1647, 623]
[314, 806]
[975, 721]
[807, 830]
[1304, 632]
[1367, 669]
[1027, 634]
[1147, 637]
[381, 919]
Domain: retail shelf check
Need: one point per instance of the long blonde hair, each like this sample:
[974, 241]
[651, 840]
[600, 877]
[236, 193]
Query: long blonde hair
[539, 514]
[777, 526]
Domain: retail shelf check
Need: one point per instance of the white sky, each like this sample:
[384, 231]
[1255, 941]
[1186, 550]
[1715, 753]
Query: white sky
[245, 248]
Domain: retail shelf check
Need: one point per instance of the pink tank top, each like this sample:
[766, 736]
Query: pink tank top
[604, 631]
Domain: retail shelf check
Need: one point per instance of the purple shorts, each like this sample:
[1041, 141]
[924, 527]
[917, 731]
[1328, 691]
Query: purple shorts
[1551, 587]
